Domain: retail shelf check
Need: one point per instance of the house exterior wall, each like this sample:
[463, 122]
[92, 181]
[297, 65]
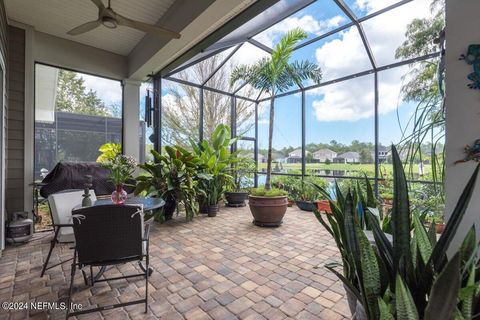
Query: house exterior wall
[462, 107]
[323, 155]
[15, 121]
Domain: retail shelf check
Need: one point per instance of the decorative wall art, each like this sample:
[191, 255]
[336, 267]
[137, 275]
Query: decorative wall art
[472, 153]
[473, 58]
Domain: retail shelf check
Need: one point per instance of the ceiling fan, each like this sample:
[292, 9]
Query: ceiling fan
[111, 19]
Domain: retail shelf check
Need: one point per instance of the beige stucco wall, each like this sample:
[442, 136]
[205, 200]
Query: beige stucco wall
[462, 107]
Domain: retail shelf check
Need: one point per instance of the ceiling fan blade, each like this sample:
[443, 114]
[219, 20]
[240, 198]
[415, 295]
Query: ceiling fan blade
[145, 27]
[99, 4]
[84, 27]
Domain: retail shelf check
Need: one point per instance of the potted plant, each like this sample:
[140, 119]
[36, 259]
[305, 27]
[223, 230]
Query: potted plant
[275, 75]
[267, 207]
[172, 177]
[215, 160]
[411, 276]
[307, 197]
[121, 170]
[242, 171]
[435, 219]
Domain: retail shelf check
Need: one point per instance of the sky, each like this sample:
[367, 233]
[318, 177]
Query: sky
[342, 111]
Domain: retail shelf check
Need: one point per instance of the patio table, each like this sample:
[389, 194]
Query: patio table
[149, 204]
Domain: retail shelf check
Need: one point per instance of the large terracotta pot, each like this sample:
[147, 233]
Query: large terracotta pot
[268, 211]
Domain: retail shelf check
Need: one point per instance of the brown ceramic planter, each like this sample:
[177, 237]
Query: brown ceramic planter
[439, 227]
[268, 211]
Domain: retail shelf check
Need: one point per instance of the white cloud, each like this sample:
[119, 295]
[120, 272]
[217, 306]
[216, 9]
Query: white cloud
[307, 23]
[110, 91]
[353, 100]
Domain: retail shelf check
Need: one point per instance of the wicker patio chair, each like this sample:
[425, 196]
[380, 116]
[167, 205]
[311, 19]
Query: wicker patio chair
[61, 205]
[107, 235]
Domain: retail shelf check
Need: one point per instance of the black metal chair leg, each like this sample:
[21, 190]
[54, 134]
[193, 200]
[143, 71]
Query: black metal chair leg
[85, 277]
[72, 279]
[144, 269]
[52, 245]
[147, 274]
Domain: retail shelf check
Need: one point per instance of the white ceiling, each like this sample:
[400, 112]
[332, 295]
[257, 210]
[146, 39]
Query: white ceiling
[56, 17]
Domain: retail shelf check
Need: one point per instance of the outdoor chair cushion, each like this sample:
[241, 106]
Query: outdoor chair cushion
[61, 205]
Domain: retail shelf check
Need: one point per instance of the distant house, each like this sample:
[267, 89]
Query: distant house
[276, 157]
[295, 156]
[383, 153]
[347, 157]
[261, 158]
[323, 155]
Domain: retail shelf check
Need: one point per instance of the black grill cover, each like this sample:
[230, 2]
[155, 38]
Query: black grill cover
[71, 175]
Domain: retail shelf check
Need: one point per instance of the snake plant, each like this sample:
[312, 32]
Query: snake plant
[410, 277]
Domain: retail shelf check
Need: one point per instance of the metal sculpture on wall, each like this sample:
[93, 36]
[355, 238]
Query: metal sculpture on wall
[472, 153]
[473, 58]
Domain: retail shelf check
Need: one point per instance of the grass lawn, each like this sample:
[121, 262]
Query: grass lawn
[369, 168]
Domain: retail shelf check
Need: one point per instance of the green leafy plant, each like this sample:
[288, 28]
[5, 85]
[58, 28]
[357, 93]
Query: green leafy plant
[262, 192]
[276, 74]
[243, 169]
[173, 176]
[121, 168]
[410, 278]
[109, 151]
[215, 162]
[299, 188]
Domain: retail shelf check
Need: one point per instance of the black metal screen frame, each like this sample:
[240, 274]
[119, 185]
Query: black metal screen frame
[375, 70]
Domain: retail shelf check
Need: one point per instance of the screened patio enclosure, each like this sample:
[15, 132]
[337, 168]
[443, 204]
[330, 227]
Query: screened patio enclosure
[357, 111]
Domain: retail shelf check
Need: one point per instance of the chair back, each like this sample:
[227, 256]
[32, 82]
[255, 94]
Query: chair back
[61, 205]
[108, 233]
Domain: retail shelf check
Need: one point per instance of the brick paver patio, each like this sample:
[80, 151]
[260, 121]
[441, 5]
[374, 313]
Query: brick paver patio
[211, 268]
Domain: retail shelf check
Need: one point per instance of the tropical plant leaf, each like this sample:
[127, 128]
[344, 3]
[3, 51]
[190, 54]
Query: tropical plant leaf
[400, 214]
[467, 294]
[404, 305]
[468, 250]
[445, 290]
[422, 240]
[438, 257]
[370, 275]
[346, 282]
[385, 248]
[384, 310]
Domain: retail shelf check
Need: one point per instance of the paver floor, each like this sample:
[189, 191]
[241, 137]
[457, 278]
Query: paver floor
[211, 268]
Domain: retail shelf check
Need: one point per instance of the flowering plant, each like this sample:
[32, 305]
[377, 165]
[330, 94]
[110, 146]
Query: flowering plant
[121, 168]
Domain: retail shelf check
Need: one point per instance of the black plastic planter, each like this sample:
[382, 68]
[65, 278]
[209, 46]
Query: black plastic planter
[236, 199]
[306, 205]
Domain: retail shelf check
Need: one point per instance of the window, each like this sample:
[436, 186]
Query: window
[75, 114]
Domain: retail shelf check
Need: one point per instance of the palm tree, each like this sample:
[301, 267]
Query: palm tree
[276, 74]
